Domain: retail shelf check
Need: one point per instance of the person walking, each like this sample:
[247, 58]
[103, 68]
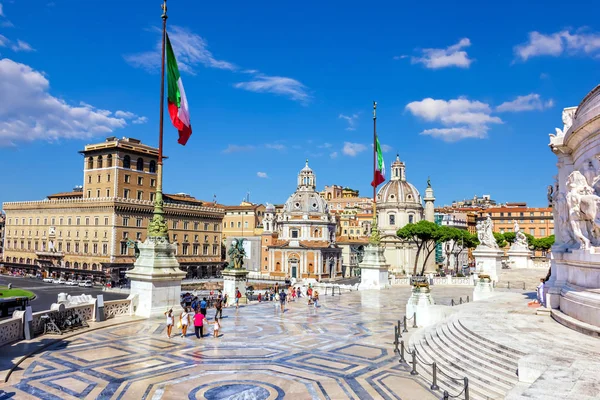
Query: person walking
[294, 294]
[225, 300]
[238, 296]
[170, 319]
[216, 327]
[309, 293]
[282, 297]
[219, 308]
[199, 319]
[316, 298]
[184, 319]
[203, 306]
[298, 292]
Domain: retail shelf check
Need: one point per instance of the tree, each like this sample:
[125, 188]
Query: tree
[544, 244]
[425, 235]
[510, 237]
[500, 239]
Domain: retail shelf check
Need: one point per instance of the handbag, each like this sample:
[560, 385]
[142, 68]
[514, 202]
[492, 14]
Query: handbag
[179, 325]
[277, 297]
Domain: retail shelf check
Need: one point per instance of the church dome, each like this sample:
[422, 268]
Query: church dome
[306, 199]
[588, 110]
[398, 190]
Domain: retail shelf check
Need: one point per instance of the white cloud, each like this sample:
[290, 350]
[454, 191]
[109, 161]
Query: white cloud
[29, 112]
[352, 149]
[324, 145]
[4, 41]
[350, 119]
[275, 146]
[234, 148]
[334, 154]
[386, 148]
[452, 56]
[559, 43]
[464, 118]
[401, 57]
[140, 120]
[262, 175]
[190, 50]
[124, 114]
[529, 102]
[22, 46]
[279, 85]
[1, 11]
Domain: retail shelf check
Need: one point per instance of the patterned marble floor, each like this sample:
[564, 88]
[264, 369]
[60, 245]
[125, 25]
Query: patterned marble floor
[341, 350]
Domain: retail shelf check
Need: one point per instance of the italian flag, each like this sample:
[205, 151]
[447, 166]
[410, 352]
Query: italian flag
[379, 177]
[178, 105]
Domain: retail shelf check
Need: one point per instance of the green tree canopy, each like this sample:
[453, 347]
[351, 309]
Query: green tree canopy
[425, 235]
[500, 239]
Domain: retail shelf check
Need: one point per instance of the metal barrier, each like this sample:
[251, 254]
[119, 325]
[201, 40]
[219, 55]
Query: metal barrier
[460, 301]
[333, 290]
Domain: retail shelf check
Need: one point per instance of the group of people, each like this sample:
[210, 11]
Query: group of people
[291, 294]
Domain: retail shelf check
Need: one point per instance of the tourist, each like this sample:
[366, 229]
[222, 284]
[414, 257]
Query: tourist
[184, 320]
[199, 324]
[540, 293]
[309, 293]
[294, 294]
[282, 297]
[259, 297]
[316, 298]
[203, 306]
[211, 298]
[288, 296]
[216, 327]
[219, 307]
[225, 300]
[169, 314]
[238, 296]
[299, 292]
[195, 303]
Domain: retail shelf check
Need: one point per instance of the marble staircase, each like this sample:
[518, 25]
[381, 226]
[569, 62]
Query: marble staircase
[490, 367]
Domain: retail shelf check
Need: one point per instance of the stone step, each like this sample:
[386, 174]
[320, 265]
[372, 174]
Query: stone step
[508, 360]
[498, 348]
[477, 390]
[500, 370]
[458, 365]
[543, 311]
[575, 324]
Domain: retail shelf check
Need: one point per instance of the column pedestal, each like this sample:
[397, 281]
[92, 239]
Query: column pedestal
[483, 289]
[373, 269]
[488, 261]
[420, 302]
[156, 278]
[519, 257]
[234, 279]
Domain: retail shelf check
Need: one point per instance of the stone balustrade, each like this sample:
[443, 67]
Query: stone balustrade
[85, 311]
[115, 308]
[436, 280]
[11, 330]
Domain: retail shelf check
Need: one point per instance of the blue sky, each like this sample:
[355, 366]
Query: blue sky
[467, 93]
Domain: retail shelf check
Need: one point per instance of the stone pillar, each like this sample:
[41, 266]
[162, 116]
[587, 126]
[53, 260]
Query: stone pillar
[373, 269]
[519, 256]
[419, 303]
[234, 279]
[488, 261]
[156, 278]
[430, 216]
[484, 289]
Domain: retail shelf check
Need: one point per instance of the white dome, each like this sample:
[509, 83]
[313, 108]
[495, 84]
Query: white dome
[398, 191]
[305, 202]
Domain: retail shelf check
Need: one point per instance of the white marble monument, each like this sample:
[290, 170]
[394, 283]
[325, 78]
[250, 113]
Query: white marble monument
[488, 256]
[519, 255]
[373, 269]
[574, 284]
[421, 303]
[484, 289]
[156, 278]
[234, 276]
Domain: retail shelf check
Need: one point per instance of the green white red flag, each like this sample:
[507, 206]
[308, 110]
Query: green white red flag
[379, 176]
[178, 105]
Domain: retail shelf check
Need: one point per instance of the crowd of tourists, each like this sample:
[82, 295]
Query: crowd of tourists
[289, 294]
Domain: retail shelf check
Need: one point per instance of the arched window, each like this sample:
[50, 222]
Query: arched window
[75, 264]
[94, 267]
[152, 166]
[99, 162]
[90, 162]
[109, 160]
[392, 219]
[67, 264]
[85, 266]
[126, 162]
[411, 219]
[140, 164]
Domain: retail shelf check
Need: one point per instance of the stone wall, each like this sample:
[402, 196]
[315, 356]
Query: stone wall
[117, 307]
[10, 330]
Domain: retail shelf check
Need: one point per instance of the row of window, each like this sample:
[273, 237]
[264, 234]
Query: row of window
[239, 224]
[185, 249]
[392, 219]
[60, 220]
[140, 179]
[522, 214]
[41, 246]
[37, 233]
[522, 220]
[126, 163]
[66, 264]
[186, 226]
[532, 231]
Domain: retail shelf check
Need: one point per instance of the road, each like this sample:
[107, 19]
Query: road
[47, 293]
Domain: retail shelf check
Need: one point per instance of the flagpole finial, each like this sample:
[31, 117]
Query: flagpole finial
[374, 109]
[164, 8]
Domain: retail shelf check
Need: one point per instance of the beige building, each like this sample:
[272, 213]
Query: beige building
[2, 222]
[243, 220]
[91, 231]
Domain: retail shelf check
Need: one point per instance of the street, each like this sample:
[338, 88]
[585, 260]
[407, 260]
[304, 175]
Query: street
[47, 293]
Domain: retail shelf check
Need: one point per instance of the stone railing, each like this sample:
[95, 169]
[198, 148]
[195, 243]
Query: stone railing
[436, 280]
[10, 330]
[117, 307]
[85, 311]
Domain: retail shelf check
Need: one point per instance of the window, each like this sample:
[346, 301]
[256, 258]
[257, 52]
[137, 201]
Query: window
[126, 193]
[542, 214]
[531, 214]
[109, 163]
[78, 221]
[140, 164]
[152, 182]
[185, 238]
[509, 214]
[125, 221]
[127, 178]
[89, 192]
[98, 193]
[542, 232]
[295, 234]
[231, 224]
[140, 180]
[174, 238]
[68, 247]
[126, 162]
[532, 231]
[108, 178]
[98, 179]
[224, 225]
[195, 249]
[69, 221]
[205, 238]
[185, 225]
[239, 224]
[151, 196]
[411, 219]
[216, 227]
[59, 246]
[138, 222]
[85, 248]
[125, 235]
[138, 236]
[245, 224]
[104, 248]
[140, 195]
[216, 239]
[105, 220]
[215, 249]
[90, 163]
[76, 247]
[107, 192]
[205, 250]
[174, 224]
[205, 226]
[124, 248]
[152, 167]
[185, 249]
[87, 221]
[392, 219]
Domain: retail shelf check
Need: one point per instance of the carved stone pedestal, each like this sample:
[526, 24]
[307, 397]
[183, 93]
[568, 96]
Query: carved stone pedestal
[234, 279]
[519, 257]
[156, 278]
[373, 269]
[488, 261]
[483, 289]
[421, 303]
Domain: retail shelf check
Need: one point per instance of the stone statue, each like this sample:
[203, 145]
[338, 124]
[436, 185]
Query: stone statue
[485, 233]
[582, 204]
[133, 245]
[549, 194]
[236, 254]
[520, 238]
[567, 117]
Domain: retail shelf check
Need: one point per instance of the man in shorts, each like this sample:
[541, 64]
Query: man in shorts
[282, 296]
[219, 307]
[238, 296]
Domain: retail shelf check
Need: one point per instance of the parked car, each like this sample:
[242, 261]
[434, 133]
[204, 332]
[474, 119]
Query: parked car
[86, 284]
[71, 282]
[56, 280]
[48, 280]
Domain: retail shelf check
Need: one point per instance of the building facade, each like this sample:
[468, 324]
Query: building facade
[300, 242]
[2, 223]
[536, 221]
[244, 220]
[79, 235]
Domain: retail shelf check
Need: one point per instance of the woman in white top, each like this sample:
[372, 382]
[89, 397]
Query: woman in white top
[170, 318]
[185, 320]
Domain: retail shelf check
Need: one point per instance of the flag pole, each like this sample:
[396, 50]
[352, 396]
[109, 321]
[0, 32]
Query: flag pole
[374, 239]
[158, 225]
